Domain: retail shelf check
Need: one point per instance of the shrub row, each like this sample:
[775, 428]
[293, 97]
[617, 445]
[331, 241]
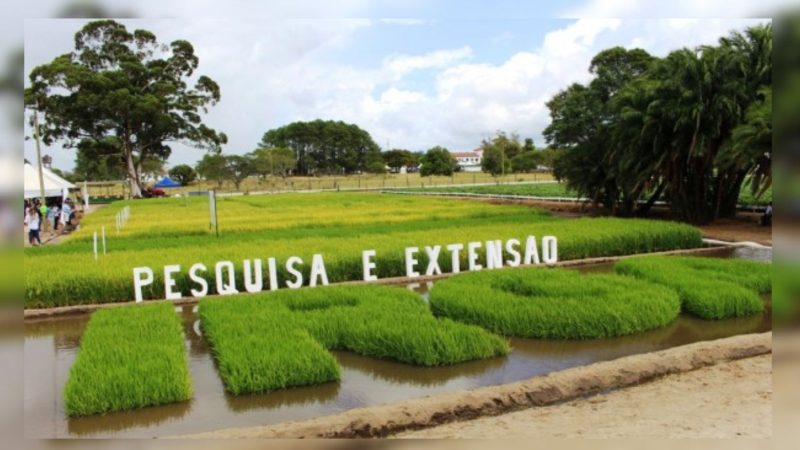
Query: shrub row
[276, 340]
[129, 358]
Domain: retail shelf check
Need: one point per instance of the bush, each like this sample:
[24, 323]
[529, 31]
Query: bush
[554, 303]
[129, 358]
[276, 340]
[709, 288]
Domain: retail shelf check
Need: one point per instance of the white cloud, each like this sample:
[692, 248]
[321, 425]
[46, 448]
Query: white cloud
[272, 72]
[709, 9]
[403, 64]
[407, 22]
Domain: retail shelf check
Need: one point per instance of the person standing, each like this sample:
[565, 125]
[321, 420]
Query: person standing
[52, 218]
[34, 225]
[66, 215]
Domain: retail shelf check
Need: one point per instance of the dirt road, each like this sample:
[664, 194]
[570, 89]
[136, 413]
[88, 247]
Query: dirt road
[730, 399]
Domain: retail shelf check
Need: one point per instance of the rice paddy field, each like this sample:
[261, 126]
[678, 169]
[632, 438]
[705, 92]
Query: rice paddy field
[109, 189]
[281, 339]
[559, 190]
[338, 226]
[292, 354]
[555, 303]
[129, 358]
[708, 288]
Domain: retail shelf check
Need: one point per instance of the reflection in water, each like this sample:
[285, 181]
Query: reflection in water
[51, 346]
[108, 424]
[399, 373]
[297, 396]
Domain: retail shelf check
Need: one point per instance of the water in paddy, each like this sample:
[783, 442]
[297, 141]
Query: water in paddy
[51, 347]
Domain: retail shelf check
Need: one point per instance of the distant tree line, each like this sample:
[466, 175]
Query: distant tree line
[324, 147]
[688, 128]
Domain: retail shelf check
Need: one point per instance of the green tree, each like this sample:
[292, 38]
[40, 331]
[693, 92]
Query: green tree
[582, 118]
[751, 144]
[99, 160]
[273, 160]
[437, 161]
[183, 174]
[527, 161]
[213, 167]
[152, 168]
[528, 146]
[498, 152]
[495, 161]
[239, 167]
[399, 158]
[325, 147]
[690, 127]
[126, 85]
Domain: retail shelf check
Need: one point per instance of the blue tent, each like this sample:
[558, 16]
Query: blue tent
[167, 182]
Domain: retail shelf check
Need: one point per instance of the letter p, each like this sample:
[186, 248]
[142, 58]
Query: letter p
[142, 276]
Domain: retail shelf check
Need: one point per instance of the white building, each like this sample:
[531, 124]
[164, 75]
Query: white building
[469, 161]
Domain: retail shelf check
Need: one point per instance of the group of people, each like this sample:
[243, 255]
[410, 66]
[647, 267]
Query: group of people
[55, 212]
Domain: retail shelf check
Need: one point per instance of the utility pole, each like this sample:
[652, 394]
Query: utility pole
[38, 154]
[43, 223]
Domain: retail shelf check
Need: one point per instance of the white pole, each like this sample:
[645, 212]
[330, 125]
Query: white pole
[117, 223]
[95, 245]
[104, 239]
[85, 196]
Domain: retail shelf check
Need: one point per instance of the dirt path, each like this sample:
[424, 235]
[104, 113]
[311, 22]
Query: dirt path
[49, 238]
[730, 399]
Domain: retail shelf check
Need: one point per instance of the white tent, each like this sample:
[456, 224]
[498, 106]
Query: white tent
[54, 185]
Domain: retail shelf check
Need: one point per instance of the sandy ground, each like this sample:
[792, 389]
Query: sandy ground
[744, 228]
[730, 399]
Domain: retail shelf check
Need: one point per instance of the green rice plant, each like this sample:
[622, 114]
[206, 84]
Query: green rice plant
[337, 226]
[280, 339]
[528, 190]
[555, 189]
[709, 288]
[554, 303]
[129, 358]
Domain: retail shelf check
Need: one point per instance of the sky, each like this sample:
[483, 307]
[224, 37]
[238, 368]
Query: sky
[413, 74]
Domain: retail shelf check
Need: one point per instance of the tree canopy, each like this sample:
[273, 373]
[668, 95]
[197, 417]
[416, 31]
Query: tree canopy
[273, 161]
[437, 161]
[183, 174]
[689, 127]
[126, 88]
[326, 146]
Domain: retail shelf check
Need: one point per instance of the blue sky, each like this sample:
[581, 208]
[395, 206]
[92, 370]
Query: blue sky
[438, 76]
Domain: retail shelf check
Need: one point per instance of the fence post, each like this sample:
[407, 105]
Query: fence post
[104, 239]
[94, 246]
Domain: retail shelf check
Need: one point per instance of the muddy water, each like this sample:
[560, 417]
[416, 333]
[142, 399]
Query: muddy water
[51, 347]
